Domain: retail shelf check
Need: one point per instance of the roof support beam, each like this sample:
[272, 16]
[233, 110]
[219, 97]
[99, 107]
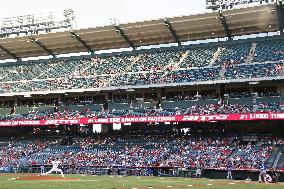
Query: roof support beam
[225, 25]
[173, 32]
[280, 15]
[78, 38]
[35, 41]
[121, 32]
[9, 53]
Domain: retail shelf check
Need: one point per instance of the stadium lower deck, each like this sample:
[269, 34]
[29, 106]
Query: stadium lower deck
[150, 150]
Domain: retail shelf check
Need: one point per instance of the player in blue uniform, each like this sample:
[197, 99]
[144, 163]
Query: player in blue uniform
[262, 172]
[42, 167]
[229, 168]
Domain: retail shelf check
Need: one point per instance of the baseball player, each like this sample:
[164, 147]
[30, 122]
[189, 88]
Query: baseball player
[42, 168]
[229, 170]
[268, 178]
[262, 173]
[55, 168]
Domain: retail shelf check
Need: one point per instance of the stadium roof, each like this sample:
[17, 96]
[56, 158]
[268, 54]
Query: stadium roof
[251, 20]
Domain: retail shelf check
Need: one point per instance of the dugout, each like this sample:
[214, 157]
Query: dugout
[237, 174]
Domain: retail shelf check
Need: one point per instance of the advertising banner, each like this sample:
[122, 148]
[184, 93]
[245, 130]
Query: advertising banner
[6, 169]
[147, 119]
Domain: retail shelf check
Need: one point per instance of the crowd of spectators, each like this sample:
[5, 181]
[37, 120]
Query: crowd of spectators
[142, 151]
[13, 151]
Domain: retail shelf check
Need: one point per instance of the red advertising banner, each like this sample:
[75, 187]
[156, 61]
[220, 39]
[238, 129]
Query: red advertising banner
[147, 119]
[190, 118]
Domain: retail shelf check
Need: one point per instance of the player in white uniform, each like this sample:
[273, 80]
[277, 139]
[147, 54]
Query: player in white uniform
[54, 168]
[268, 178]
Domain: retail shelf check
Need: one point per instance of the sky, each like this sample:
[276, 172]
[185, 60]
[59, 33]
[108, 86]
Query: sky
[92, 13]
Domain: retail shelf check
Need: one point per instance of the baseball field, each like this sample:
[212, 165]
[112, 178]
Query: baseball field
[30, 181]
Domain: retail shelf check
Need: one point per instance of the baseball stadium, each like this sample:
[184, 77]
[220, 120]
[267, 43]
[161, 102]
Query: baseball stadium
[184, 101]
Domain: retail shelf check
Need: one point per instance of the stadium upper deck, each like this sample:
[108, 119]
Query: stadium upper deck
[234, 61]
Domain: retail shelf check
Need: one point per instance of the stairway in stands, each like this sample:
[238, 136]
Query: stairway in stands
[129, 68]
[251, 53]
[176, 65]
[274, 157]
[279, 161]
[183, 57]
[215, 56]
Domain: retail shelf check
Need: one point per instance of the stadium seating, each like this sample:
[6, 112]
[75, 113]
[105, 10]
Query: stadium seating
[271, 50]
[233, 53]
[253, 71]
[138, 151]
[199, 57]
[192, 75]
[193, 64]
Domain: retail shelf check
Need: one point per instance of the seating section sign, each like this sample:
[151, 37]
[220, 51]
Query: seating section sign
[147, 119]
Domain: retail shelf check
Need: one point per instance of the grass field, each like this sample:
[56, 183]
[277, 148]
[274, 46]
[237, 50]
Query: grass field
[10, 181]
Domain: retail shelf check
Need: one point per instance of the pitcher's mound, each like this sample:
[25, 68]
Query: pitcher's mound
[36, 177]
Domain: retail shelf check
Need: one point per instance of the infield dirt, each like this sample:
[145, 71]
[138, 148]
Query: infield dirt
[53, 178]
